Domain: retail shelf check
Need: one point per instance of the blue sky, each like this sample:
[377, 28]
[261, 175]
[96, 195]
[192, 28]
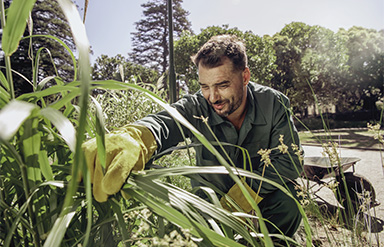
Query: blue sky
[109, 23]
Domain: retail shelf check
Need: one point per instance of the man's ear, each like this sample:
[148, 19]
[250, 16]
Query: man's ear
[246, 75]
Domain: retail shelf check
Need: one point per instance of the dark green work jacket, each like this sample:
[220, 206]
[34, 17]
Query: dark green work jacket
[266, 119]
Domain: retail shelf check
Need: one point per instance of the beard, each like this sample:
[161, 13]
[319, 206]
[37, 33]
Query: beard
[229, 106]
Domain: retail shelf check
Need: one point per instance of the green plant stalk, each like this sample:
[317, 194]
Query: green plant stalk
[84, 88]
[120, 220]
[2, 200]
[326, 129]
[171, 74]
[317, 104]
[7, 58]
[61, 43]
[9, 76]
[78, 30]
[252, 201]
[24, 176]
[89, 208]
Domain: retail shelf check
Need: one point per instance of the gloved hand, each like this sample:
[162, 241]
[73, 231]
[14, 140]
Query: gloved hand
[127, 149]
[237, 195]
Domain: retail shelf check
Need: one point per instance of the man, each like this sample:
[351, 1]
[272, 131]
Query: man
[237, 112]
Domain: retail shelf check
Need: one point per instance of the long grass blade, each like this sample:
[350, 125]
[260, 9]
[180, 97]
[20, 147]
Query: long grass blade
[12, 117]
[4, 81]
[63, 125]
[45, 167]
[49, 91]
[81, 40]
[59, 228]
[5, 97]
[16, 22]
[179, 219]
[100, 134]
[66, 48]
[31, 140]
[24, 208]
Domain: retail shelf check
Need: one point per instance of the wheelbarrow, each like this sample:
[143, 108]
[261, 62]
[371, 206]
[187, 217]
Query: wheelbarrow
[356, 187]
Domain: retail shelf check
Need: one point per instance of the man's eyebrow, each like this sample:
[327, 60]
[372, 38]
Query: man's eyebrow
[216, 84]
[222, 83]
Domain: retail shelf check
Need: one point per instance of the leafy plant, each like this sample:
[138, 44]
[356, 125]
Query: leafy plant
[44, 201]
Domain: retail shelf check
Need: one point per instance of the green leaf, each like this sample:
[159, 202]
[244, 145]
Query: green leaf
[4, 81]
[45, 167]
[5, 97]
[59, 228]
[24, 207]
[12, 116]
[69, 9]
[63, 124]
[16, 22]
[49, 91]
[42, 83]
[31, 140]
[66, 101]
[179, 219]
[116, 206]
[100, 134]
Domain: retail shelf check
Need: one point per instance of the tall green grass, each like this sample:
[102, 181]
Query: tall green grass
[43, 202]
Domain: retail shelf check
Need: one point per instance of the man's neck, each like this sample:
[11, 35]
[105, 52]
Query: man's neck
[237, 117]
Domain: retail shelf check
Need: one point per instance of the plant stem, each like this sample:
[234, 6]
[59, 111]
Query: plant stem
[24, 176]
[171, 75]
[7, 58]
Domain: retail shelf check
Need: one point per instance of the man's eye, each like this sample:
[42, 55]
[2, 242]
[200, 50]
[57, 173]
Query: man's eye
[223, 86]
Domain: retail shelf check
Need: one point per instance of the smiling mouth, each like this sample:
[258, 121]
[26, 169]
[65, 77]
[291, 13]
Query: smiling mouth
[218, 106]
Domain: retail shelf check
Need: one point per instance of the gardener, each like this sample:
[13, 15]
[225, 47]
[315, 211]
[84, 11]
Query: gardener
[237, 112]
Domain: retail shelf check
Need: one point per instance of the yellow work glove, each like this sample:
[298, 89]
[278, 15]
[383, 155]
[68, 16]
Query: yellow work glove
[237, 195]
[127, 149]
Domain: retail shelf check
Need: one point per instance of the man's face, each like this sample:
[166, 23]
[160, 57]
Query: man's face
[224, 88]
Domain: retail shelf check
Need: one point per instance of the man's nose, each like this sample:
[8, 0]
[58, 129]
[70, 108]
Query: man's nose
[214, 95]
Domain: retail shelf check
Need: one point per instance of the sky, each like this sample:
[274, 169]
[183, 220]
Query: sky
[109, 24]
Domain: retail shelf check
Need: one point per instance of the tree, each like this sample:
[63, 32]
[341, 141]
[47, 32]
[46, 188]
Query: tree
[343, 69]
[365, 79]
[289, 45]
[54, 60]
[325, 63]
[119, 68]
[150, 42]
[309, 60]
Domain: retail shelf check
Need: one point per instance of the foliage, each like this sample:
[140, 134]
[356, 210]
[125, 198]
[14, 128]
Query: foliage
[309, 57]
[47, 55]
[150, 42]
[365, 49]
[120, 69]
[123, 107]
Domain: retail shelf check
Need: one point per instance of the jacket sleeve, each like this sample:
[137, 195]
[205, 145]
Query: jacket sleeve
[166, 130]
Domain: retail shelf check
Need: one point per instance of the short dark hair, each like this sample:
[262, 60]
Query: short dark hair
[211, 54]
